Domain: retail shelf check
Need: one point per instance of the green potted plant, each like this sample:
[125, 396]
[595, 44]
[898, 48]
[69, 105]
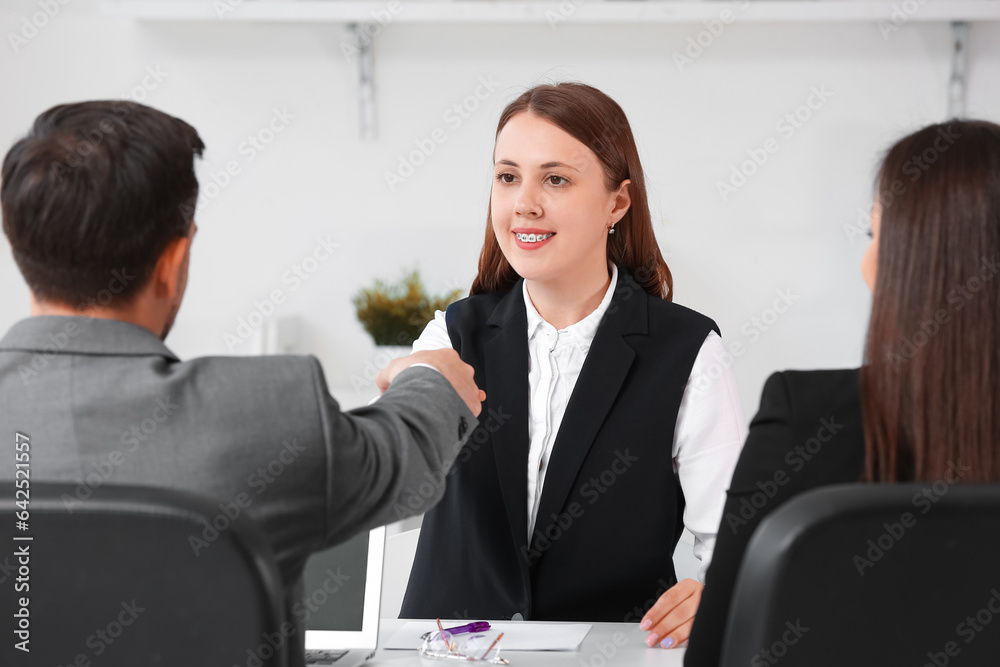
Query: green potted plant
[395, 314]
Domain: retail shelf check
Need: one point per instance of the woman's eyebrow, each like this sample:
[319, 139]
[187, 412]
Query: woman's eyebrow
[547, 165]
[552, 165]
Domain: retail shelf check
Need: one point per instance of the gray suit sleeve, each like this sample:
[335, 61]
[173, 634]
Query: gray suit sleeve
[388, 460]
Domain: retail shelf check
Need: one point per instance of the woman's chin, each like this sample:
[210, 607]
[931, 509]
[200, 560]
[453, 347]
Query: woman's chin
[532, 270]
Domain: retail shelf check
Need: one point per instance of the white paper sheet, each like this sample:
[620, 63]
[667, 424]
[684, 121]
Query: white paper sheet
[518, 635]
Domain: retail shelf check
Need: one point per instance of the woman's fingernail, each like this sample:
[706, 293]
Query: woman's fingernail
[646, 625]
[667, 643]
[651, 640]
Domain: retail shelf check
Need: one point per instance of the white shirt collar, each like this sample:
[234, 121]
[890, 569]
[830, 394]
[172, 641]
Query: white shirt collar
[582, 333]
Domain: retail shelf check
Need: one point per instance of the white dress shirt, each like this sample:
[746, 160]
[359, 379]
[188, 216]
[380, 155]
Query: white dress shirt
[708, 436]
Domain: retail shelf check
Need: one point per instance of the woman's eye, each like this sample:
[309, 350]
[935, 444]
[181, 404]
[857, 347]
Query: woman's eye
[556, 180]
[505, 177]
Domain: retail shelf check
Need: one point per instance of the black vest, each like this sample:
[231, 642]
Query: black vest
[611, 508]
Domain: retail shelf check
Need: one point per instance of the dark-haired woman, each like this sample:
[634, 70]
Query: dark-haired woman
[926, 403]
[612, 419]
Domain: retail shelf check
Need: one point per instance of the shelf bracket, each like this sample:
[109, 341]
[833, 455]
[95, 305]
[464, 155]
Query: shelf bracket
[959, 65]
[365, 43]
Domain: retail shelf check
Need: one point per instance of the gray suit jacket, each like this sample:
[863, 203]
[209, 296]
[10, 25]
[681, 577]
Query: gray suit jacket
[105, 402]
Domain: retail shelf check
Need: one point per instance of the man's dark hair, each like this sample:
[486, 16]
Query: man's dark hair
[95, 188]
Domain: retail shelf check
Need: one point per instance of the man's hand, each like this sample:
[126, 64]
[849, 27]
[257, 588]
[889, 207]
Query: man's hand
[669, 621]
[460, 374]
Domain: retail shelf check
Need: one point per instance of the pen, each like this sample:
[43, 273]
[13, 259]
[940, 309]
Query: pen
[478, 626]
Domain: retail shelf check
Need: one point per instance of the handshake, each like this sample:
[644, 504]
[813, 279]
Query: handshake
[449, 364]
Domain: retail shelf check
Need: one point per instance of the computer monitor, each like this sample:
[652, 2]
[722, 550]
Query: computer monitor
[343, 588]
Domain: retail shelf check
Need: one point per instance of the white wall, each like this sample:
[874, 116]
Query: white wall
[783, 230]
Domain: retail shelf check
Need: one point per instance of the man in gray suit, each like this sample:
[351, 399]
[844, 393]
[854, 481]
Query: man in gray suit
[97, 204]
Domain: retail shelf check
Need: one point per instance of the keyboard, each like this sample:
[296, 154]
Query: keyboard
[315, 657]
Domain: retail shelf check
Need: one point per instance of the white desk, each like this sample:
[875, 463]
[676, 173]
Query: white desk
[606, 645]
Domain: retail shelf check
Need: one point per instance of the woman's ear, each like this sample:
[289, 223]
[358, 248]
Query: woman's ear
[622, 201]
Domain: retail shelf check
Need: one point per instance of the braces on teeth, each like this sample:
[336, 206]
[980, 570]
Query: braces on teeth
[532, 238]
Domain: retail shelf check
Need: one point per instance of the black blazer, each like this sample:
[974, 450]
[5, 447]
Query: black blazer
[807, 433]
[611, 508]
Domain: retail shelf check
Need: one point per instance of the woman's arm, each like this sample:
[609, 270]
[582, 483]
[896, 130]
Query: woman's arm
[708, 437]
[771, 436]
[776, 464]
[434, 336]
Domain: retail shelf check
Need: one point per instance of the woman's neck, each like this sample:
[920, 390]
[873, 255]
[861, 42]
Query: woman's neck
[569, 299]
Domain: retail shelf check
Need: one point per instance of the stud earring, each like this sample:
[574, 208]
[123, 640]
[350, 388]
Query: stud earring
[611, 229]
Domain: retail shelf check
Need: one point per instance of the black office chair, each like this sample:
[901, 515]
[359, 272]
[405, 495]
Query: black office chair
[114, 581]
[872, 575]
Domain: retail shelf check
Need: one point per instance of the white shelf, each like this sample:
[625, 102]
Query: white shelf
[512, 12]
[580, 11]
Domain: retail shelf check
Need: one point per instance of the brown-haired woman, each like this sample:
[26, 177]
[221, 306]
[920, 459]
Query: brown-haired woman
[925, 406]
[612, 419]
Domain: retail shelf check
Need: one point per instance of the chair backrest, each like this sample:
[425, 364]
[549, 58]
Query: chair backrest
[872, 574]
[121, 578]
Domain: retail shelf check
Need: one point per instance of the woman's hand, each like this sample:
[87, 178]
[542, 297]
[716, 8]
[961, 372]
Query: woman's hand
[460, 374]
[669, 621]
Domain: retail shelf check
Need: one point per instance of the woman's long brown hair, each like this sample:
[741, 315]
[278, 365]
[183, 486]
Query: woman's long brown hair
[598, 123]
[930, 384]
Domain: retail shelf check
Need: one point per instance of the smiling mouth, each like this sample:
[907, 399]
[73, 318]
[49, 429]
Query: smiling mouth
[533, 238]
